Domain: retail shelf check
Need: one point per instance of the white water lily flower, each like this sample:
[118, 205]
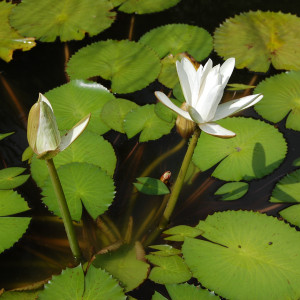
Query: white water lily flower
[203, 90]
[43, 134]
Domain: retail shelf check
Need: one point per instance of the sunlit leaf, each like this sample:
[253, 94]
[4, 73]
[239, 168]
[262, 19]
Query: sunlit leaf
[158, 296]
[165, 250]
[247, 156]
[83, 184]
[168, 269]
[145, 6]
[68, 19]
[11, 203]
[164, 113]
[239, 86]
[178, 233]
[124, 266]
[281, 97]
[10, 39]
[246, 255]
[257, 39]
[129, 65]
[232, 190]
[9, 178]
[4, 135]
[291, 214]
[145, 119]
[151, 186]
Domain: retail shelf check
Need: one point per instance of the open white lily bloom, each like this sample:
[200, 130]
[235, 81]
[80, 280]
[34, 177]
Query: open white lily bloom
[43, 134]
[203, 90]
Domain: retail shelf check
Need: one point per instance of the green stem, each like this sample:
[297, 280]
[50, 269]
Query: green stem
[176, 189]
[64, 210]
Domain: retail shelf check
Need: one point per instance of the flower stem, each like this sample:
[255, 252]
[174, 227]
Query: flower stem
[176, 189]
[64, 210]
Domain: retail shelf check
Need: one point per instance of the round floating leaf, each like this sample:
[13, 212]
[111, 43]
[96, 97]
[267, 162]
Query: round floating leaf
[74, 100]
[10, 39]
[296, 162]
[164, 250]
[114, 112]
[146, 6]
[246, 255]
[165, 113]
[89, 148]
[247, 156]
[11, 203]
[124, 266]
[151, 186]
[168, 269]
[68, 19]
[291, 214]
[158, 296]
[287, 189]
[257, 39]
[144, 119]
[82, 183]
[9, 178]
[232, 190]
[25, 295]
[281, 97]
[189, 292]
[178, 233]
[129, 65]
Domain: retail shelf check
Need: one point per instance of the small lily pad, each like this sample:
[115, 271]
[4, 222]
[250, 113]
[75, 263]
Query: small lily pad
[158, 296]
[164, 250]
[82, 184]
[164, 112]
[296, 162]
[114, 112]
[9, 178]
[291, 214]
[247, 156]
[68, 19]
[239, 86]
[89, 148]
[257, 39]
[168, 269]
[145, 119]
[281, 97]
[151, 186]
[145, 6]
[232, 190]
[10, 39]
[178, 233]
[25, 295]
[130, 66]
[74, 100]
[246, 255]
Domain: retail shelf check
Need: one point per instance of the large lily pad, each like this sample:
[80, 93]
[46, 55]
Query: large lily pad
[246, 255]
[291, 214]
[68, 19]
[82, 184]
[10, 39]
[129, 65]
[145, 6]
[10, 178]
[281, 97]
[247, 156]
[89, 148]
[257, 39]
[74, 100]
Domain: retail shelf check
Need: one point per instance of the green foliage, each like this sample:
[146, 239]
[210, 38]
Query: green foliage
[232, 190]
[10, 178]
[4, 135]
[178, 233]
[239, 86]
[164, 250]
[26, 295]
[151, 186]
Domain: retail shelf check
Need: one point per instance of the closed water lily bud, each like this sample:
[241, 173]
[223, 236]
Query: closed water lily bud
[183, 126]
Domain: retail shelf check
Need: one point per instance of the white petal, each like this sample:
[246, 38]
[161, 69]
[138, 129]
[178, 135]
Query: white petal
[74, 133]
[229, 108]
[216, 129]
[197, 118]
[167, 102]
[42, 98]
[227, 69]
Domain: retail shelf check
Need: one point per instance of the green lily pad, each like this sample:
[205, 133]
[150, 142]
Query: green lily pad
[144, 119]
[10, 39]
[281, 97]
[164, 113]
[189, 292]
[247, 156]
[232, 190]
[124, 266]
[25, 295]
[88, 148]
[158, 296]
[151, 186]
[257, 39]
[74, 100]
[113, 113]
[165, 250]
[146, 6]
[168, 269]
[129, 65]
[9, 178]
[239, 86]
[246, 255]
[12, 228]
[82, 183]
[296, 162]
[178, 233]
[291, 214]
[68, 19]
[287, 189]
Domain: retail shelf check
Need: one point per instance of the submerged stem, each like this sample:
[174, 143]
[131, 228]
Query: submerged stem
[64, 210]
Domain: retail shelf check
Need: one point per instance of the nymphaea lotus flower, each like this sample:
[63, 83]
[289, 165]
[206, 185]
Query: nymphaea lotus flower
[43, 134]
[203, 90]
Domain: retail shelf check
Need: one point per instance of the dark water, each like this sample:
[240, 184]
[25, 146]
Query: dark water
[42, 68]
